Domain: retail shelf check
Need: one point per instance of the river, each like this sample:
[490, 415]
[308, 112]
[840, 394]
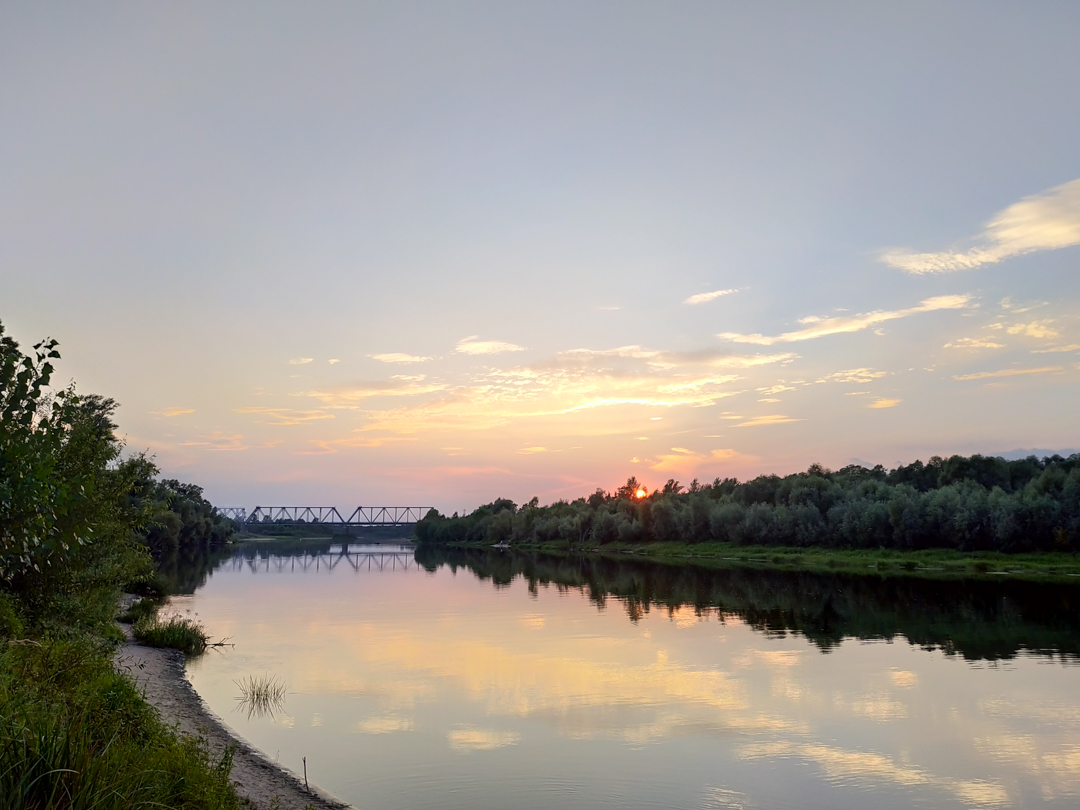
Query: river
[488, 679]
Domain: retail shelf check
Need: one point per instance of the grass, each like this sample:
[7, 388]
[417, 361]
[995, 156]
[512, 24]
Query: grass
[934, 563]
[930, 562]
[75, 735]
[178, 632]
[261, 695]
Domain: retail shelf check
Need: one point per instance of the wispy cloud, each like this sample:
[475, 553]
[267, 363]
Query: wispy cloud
[858, 376]
[284, 417]
[1045, 221]
[398, 357]
[471, 345]
[347, 395]
[884, 403]
[219, 441]
[301, 361]
[1072, 347]
[658, 358]
[682, 460]
[973, 343]
[1006, 372]
[170, 412]
[705, 297]
[771, 419]
[528, 451]
[821, 327]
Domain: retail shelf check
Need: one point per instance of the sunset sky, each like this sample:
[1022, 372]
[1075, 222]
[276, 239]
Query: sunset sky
[345, 253]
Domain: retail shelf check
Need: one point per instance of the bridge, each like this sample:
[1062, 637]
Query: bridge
[329, 516]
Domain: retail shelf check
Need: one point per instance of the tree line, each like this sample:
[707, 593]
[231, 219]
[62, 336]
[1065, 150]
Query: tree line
[966, 503]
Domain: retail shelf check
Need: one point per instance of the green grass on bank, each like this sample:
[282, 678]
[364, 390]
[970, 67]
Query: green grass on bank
[178, 632]
[936, 563]
[75, 734]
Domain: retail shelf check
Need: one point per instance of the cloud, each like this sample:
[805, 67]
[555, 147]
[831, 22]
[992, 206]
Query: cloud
[1046, 221]
[348, 395]
[682, 460]
[286, 416]
[884, 403]
[1006, 372]
[398, 357]
[528, 451]
[859, 376]
[1072, 347]
[219, 441]
[170, 412]
[771, 419]
[821, 327]
[622, 351]
[471, 345]
[333, 361]
[657, 358]
[973, 343]
[301, 361]
[702, 298]
[1035, 329]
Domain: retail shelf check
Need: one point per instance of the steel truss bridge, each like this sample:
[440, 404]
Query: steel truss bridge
[364, 559]
[328, 516]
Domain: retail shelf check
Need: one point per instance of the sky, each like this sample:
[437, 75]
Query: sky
[355, 253]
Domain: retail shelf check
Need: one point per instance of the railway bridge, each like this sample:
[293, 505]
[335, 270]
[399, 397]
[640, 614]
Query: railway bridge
[326, 516]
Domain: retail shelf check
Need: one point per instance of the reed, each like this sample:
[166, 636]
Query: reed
[178, 632]
[261, 695]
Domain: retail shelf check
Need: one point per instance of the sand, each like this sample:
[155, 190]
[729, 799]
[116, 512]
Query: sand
[160, 676]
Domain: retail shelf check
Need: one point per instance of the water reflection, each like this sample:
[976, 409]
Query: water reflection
[486, 679]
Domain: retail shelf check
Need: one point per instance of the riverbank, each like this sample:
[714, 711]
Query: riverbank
[932, 563]
[160, 677]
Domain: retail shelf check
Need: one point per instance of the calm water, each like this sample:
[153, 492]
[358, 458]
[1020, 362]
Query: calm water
[488, 680]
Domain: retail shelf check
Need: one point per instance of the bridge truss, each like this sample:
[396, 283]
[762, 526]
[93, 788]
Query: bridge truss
[327, 515]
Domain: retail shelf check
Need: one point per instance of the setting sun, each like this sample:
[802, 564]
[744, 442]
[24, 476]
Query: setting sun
[639, 494]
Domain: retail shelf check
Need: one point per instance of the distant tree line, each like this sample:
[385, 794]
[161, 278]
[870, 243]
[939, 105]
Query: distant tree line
[179, 520]
[967, 503]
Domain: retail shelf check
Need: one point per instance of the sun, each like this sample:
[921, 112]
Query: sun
[639, 494]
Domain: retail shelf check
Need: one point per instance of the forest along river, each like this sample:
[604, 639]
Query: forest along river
[487, 679]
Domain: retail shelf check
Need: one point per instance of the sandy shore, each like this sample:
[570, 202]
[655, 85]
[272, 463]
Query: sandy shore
[160, 676]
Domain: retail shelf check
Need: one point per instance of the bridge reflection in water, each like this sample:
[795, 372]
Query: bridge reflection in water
[357, 557]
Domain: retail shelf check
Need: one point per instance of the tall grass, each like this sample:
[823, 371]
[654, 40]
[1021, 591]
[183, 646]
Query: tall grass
[179, 632]
[76, 735]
